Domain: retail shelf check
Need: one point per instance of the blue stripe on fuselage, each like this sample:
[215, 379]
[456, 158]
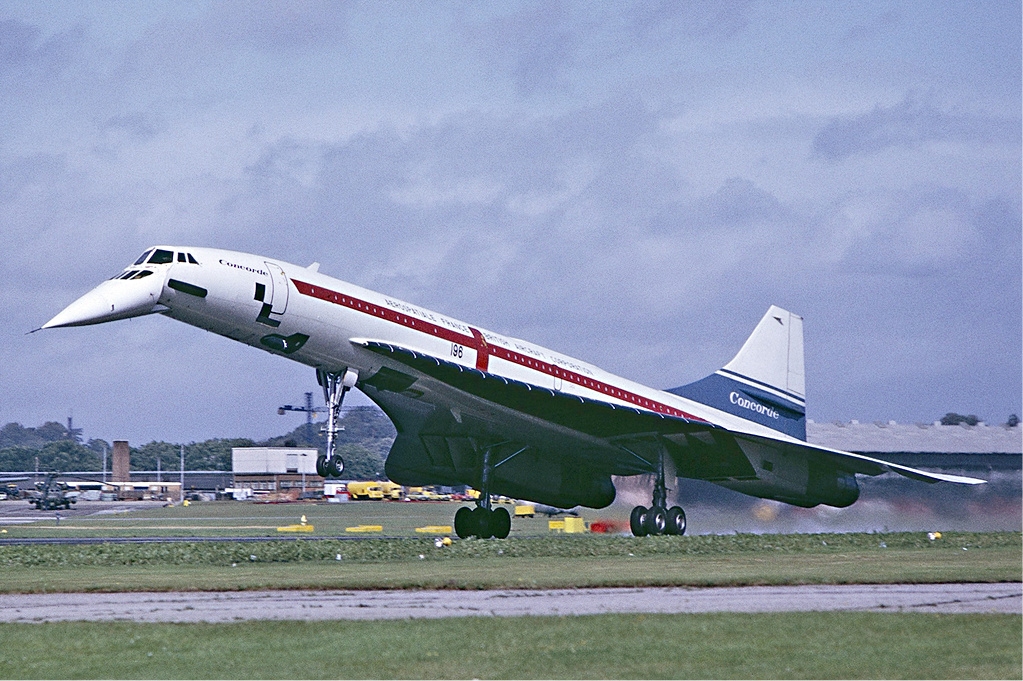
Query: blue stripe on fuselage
[748, 402]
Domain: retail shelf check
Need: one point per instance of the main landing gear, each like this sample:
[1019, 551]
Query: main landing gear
[335, 387]
[484, 521]
[658, 519]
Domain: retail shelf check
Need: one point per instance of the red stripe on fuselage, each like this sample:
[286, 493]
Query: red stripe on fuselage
[484, 350]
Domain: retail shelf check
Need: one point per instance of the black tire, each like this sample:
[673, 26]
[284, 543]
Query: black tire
[500, 523]
[481, 523]
[656, 521]
[676, 522]
[637, 521]
[463, 522]
[335, 466]
[321, 466]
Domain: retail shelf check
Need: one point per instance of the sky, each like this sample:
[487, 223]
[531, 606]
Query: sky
[629, 183]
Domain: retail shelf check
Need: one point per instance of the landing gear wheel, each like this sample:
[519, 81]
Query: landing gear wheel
[463, 522]
[500, 523]
[482, 523]
[321, 466]
[656, 520]
[676, 521]
[335, 466]
[637, 521]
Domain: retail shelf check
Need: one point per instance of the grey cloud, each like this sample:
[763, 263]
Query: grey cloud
[874, 27]
[30, 61]
[274, 26]
[926, 231]
[739, 202]
[137, 124]
[17, 41]
[689, 17]
[535, 45]
[908, 124]
[22, 47]
[555, 45]
[19, 174]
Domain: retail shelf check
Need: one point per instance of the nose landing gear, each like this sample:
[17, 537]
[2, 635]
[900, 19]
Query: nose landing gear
[658, 519]
[335, 387]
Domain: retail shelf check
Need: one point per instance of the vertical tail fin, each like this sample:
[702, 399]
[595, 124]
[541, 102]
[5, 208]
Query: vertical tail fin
[764, 382]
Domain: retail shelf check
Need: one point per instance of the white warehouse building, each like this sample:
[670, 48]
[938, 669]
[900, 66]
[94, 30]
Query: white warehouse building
[275, 469]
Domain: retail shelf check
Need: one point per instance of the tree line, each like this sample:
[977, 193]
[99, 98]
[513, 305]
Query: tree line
[364, 444]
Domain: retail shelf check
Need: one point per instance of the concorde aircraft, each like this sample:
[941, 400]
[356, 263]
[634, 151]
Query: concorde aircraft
[472, 407]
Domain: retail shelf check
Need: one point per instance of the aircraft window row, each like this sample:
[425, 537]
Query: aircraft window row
[134, 274]
[158, 256]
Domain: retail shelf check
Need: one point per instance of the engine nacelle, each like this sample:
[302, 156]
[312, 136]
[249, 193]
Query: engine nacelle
[796, 480]
[530, 475]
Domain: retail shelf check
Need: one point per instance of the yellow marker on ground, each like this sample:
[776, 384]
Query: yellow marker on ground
[570, 525]
[574, 525]
[365, 528]
[295, 528]
[434, 529]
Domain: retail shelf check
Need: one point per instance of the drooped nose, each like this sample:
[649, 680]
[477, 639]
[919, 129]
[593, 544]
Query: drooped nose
[113, 299]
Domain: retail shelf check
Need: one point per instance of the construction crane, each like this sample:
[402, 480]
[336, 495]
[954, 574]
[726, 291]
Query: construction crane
[309, 410]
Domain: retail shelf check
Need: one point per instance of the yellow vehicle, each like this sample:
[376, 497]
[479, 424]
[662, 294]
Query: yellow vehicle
[416, 494]
[425, 494]
[392, 491]
[365, 490]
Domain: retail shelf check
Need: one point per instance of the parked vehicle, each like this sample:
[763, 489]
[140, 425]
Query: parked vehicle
[361, 491]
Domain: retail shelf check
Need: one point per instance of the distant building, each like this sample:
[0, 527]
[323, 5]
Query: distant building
[931, 445]
[275, 469]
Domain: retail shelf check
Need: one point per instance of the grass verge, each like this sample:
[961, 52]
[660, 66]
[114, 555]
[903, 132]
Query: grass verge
[548, 562]
[792, 645]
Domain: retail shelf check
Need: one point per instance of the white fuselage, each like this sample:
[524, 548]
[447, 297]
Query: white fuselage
[265, 302]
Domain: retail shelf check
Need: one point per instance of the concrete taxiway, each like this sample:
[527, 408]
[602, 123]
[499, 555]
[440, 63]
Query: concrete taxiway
[378, 605]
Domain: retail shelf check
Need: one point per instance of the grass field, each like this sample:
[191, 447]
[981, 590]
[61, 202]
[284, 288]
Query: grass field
[791, 645]
[799, 645]
[548, 561]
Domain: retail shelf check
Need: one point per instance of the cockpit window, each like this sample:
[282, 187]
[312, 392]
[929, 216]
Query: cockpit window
[134, 274]
[142, 258]
[192, 260]
[161, 257]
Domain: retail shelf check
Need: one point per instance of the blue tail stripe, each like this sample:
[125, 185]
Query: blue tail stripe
[748, 402]
[791, 395]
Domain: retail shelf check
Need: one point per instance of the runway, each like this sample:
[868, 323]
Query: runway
[383, 605]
